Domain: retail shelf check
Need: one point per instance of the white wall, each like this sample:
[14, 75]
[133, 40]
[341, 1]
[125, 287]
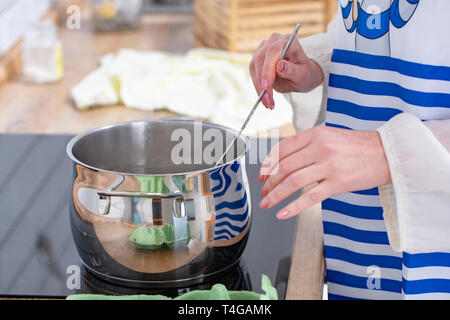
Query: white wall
[16, 16]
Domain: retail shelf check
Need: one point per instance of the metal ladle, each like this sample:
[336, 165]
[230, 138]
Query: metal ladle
[260, 97]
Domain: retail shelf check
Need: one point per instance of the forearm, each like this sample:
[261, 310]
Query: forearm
[316, 74]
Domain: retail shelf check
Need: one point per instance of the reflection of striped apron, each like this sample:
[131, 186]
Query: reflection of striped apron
[231, 202]
[366, 90]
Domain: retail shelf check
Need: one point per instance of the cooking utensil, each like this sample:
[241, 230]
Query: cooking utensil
[261, 95]
[122, 170]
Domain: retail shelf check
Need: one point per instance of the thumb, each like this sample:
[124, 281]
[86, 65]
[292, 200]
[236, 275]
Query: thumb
[290, 71]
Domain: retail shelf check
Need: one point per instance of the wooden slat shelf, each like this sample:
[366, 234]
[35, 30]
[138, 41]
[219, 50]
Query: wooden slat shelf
[240, 25]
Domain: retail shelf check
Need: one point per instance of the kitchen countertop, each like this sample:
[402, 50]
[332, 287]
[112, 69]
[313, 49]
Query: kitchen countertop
[47, 109]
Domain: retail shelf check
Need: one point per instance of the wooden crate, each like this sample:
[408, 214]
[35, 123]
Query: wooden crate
[240, 25]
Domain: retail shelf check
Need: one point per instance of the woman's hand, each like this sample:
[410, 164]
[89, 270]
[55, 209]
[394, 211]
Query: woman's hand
[295, 73]
[337, 160]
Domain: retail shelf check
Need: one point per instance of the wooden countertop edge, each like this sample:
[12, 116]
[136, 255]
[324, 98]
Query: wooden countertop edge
[307, 274]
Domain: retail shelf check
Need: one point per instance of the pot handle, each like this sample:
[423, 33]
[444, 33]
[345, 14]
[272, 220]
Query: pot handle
[179, 205]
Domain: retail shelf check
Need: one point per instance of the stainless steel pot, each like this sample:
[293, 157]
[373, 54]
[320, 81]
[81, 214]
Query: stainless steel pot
[143, 217]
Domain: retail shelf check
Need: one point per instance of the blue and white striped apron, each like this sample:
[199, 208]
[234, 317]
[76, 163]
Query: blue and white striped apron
[397, 60]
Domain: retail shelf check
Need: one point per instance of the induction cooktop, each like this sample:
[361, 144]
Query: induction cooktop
[37, 253]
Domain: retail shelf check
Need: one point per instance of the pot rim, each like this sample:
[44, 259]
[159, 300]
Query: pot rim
[78, 137]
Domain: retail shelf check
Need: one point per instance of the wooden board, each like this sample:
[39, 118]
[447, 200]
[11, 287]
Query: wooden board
[307, 274]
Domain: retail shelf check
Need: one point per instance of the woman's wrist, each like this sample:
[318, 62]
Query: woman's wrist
[317, 72]
[314, 78]
[382, 174]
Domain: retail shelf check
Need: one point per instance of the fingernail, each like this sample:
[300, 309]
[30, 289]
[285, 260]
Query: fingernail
[264, 84]
[261, 178]
[264, 203]
[267, 100]
[264, 191]
[282, 66]
[282, 214]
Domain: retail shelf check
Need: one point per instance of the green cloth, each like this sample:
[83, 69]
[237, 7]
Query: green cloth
[156, 183]
[176, 239]
[217, 292]
[146, 238]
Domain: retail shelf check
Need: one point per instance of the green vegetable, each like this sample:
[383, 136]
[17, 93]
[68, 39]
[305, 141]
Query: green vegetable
[195, 295]
[217, 292]
[146, 238]
[176, 239]
[156, 183]
[270, 292]
[105, 297]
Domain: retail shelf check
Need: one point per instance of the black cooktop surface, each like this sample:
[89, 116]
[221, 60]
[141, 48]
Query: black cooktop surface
[37, 253]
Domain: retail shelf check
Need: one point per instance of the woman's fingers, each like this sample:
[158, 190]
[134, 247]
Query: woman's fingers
[342, 161]
[290, 74]
[256, 65]
[268, 72]
[282, 150]
[254, 75]
[273, 54]
[294, 162]
[293, 183]
[323, 190]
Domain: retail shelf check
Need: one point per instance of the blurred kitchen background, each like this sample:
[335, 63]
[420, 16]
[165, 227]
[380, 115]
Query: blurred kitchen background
[70, 66]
